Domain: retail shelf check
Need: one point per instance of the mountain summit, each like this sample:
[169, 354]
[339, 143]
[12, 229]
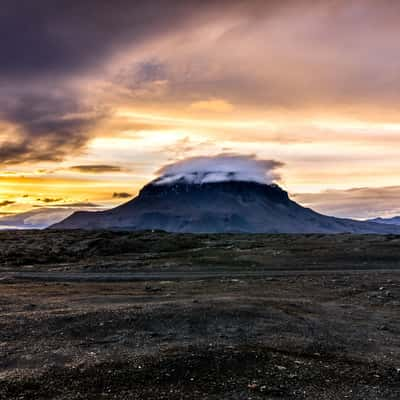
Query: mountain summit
[180, 205]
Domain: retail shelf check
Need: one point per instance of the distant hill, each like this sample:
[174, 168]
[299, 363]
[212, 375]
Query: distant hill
[390, 221]
[226, 206]
[34, 219]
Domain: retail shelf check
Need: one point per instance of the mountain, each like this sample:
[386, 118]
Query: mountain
[225, 206]
[390, 221]
[34, 219]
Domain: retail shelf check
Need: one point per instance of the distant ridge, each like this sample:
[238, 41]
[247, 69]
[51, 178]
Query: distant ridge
[390, 221]
[34, 219]
[226, 206]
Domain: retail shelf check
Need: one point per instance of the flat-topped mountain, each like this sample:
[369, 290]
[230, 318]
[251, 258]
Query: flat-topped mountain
[222, 206]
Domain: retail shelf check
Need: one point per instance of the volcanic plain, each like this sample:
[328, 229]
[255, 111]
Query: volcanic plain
[153, 315]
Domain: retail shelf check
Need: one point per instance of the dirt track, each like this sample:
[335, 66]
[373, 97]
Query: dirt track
[177, 276]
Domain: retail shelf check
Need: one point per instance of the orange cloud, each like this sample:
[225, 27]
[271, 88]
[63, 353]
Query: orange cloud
[213, 105]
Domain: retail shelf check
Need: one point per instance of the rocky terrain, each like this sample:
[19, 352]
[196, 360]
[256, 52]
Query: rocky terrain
[316, 316]
[80, 250]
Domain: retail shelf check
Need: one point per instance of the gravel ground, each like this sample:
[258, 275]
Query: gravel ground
[299, 337]
[320, 336]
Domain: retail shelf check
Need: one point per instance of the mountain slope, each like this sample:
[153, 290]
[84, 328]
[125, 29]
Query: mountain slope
[228, 206]
[390, 221]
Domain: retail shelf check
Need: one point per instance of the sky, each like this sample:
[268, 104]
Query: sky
[96, 96]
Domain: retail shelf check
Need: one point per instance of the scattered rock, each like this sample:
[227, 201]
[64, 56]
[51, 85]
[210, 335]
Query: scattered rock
[149, 288]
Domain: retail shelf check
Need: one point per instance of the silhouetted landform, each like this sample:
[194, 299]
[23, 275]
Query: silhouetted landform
[217, 207]
[390, 221]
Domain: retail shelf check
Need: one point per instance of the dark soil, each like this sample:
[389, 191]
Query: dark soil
[325, 336]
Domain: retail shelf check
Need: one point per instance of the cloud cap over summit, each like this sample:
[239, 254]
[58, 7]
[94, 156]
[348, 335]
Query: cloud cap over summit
[220, 168]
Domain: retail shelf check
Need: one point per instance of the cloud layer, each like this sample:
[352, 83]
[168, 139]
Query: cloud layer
[362, 203]
[121, 195]
[96, 168]
[96, 84]
[45, 126]
[209, 55]
[221, 168]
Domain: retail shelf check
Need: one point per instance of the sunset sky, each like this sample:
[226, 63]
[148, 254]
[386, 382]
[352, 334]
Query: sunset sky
[97, 95]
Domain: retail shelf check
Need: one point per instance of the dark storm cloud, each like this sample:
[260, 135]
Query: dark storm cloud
[47, 44]
[49, 200]
[258, 52]
[96, 169]
[47, 126]
[121, 195]
[47, 38]
[289, 53]
[6, 203]
[58, 37]
[82, 204]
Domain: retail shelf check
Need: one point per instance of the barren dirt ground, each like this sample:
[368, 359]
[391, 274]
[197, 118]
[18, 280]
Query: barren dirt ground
[296, 335]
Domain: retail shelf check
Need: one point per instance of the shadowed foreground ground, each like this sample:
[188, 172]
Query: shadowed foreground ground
[324, 336]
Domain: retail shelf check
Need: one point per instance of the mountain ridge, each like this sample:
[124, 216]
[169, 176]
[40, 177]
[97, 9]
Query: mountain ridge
[388, 221]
